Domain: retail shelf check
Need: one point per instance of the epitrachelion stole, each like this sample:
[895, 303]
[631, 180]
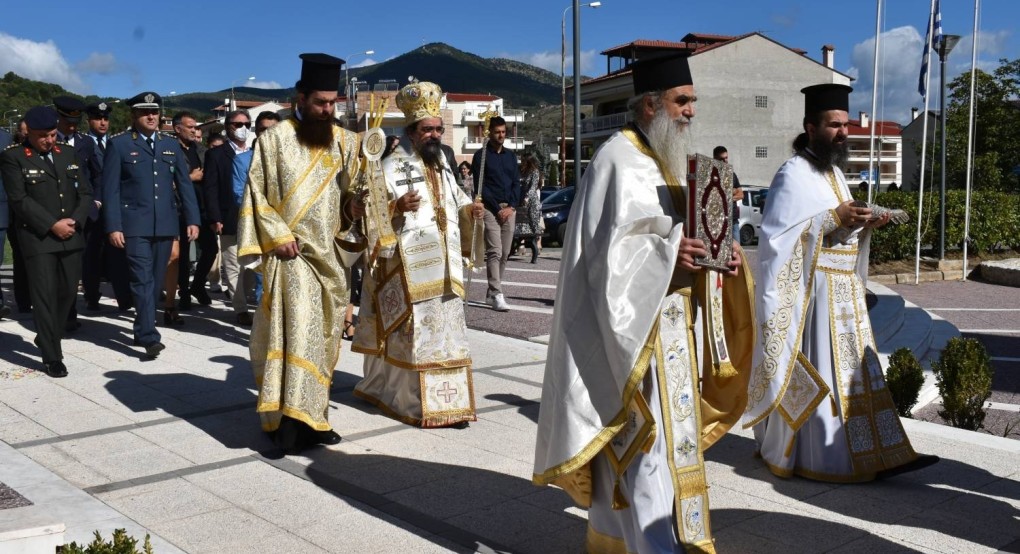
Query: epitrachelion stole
[709, 209]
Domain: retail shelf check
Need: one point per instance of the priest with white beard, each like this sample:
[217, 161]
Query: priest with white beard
[817, 396]
[623, 423]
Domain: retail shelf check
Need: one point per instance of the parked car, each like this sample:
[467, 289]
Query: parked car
[751, 208]
[547, 191]
[555, 209]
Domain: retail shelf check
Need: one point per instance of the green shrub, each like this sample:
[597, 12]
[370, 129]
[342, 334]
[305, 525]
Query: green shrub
[994, 223]
[904, 379]
[963, 374]
[122, 543]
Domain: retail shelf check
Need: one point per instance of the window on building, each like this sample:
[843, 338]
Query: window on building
[761, 101]
[761, 152]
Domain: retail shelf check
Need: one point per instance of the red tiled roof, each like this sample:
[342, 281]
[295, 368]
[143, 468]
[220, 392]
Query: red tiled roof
[882, 128]
[642, 43]
[699, 37]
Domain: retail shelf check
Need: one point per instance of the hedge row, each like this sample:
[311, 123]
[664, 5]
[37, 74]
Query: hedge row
[994, 223]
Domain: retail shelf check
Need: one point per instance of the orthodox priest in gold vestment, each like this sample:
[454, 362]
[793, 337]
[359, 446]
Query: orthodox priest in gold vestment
[817, 396]
[412, 332]
[624, 423]
[292, 215]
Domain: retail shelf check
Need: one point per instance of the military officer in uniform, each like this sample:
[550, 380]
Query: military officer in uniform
[145, 176]
[69, 112]
[51, 201]
[5, 141]
[100, 260]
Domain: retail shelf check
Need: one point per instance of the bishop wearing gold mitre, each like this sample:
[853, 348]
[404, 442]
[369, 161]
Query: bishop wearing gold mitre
[413, 333]
[297, 204]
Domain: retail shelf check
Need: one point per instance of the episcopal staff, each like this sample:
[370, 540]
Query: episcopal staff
[51, 201]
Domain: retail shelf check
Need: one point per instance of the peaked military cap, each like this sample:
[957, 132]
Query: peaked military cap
[97, 110]
[69, 107]
[145, 101]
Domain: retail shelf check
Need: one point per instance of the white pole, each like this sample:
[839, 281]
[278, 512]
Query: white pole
[924, 145]
[872, 184]
[970, 138]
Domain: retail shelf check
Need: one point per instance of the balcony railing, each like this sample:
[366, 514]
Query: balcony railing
[513, 143]
[511, 115]
[604, 123]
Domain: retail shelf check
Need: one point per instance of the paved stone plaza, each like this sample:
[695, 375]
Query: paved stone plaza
[172, 447]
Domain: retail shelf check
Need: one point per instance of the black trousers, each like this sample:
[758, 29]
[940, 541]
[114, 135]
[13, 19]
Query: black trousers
[183, 260]
[54, 287]
[100, 260]
[22, 296]
[208, 247]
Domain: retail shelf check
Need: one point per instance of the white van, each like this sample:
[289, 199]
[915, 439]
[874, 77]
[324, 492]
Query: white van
[751, 208]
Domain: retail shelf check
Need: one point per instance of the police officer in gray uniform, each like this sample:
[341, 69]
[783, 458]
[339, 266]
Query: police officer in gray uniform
[51, 201]
[145, 178]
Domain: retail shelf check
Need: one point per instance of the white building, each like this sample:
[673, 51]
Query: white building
[888, 152]
[748, 90]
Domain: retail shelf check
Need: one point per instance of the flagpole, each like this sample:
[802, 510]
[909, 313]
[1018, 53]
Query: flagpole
[873, 185]
[970, 138]
[924, 141]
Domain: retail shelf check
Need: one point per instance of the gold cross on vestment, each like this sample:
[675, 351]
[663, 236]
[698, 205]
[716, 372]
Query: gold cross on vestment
[844, 317]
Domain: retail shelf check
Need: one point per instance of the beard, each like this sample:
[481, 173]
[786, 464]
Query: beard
[828, 154]
[431, 152]
[670, 140]
[315, 132]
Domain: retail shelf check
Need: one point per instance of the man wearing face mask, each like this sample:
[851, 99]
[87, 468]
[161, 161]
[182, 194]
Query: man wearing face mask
[226, 170]
[418, 369]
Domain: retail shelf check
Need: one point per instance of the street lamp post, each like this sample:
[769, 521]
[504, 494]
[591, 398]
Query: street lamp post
[945, 47]
[351, 104]
[563, 90]
[233, 102]
[9, 125]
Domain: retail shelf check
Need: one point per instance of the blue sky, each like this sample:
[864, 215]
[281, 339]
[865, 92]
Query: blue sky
[120, 48]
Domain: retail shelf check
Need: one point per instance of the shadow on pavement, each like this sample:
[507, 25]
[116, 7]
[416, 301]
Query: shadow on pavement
[940, 497]
[224, 410]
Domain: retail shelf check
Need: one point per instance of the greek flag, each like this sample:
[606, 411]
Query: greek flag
[936, 37]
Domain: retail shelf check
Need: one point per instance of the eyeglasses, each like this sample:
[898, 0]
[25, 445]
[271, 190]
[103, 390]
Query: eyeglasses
[432, 129]
[236, 124]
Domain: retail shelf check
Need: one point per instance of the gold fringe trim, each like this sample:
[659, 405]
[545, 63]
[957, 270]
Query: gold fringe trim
[637, 373]
[601, 543]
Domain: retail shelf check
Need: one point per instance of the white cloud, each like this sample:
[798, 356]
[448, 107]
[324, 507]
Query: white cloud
[264, 84]
[41, 61]
[365, 62]
[100, 64]
[900, 67]
[551, 60]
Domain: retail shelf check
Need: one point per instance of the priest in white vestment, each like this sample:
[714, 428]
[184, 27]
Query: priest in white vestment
[623, 423]
[817, 397]
[412, 331]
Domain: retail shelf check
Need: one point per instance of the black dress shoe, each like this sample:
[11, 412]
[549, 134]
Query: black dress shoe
[922, 461]
[72, 326]
[323, 437]
[92, 305]
[184, 304]
[5, 311]
[55, 369]
[172, 317]
[244, 319]
[152, 349]
[201, 296]
[460, 425]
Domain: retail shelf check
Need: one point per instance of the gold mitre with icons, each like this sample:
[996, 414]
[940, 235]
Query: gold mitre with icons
[419, 100]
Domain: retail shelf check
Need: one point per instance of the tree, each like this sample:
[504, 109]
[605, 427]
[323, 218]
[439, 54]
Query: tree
[996, 129]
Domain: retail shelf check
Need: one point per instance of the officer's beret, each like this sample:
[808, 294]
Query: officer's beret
[145, 101]
[69, 107]
[101, 109]
[41, 118]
